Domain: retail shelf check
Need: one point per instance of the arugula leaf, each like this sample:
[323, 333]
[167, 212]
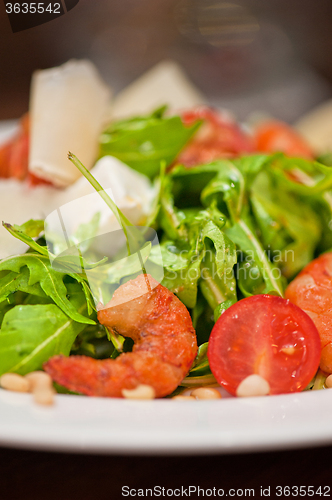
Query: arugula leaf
[50, 281]
[287, 223]
[4, 307]
[170, 256]
[183, 282]
[206, 258]
[31, 334]
[221, 308]
[189, 232]
[93, 341]
[33, 227]
[322, 206]
[228, 189]
[143, 142]
[182, 275]
[249, 278]
[197, 311]
[201, 363]
[187, 184]
[301, 176]
[13, 282]
[243, 235]
[207, 379]
[26, 232]
[218, 284]
[170, 218]
[200, 373]
[251, 166]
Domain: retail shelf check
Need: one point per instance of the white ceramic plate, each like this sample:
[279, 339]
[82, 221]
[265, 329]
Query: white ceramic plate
[82, 424]
[230, 425]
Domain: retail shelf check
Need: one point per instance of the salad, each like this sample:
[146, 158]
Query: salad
[225, 278]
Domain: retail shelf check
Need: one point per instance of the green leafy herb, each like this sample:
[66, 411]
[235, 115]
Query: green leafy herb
[288, 225]
[31, 334]
[201, 363]
[144, 142]
[26, 232]
[50, 281]
[14, 282]
[200, 373]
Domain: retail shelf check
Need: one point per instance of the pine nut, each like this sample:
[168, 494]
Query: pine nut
[254, 385]
[44, 395]
[39, 379]
[140, 392]
[14, 382]
[328, 382]
[184, 398]
[205, 393]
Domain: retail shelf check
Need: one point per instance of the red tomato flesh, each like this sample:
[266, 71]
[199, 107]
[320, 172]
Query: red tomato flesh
[268, 336]
[218, 137]
[273, 136]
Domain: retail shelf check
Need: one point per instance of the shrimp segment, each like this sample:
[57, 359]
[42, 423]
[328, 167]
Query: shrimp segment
[311, 290]
[164, 349]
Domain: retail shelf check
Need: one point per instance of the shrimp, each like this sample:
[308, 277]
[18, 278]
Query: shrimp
[164, 349]
[218, 137]
[311, 290]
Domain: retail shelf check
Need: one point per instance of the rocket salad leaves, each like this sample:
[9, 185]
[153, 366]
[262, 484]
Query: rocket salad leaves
[41, 310]
[30, 334]
[228, 229]
[143, 142]
[49, 280]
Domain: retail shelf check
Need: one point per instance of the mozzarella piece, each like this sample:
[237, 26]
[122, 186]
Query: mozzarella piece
[18, 204]
[131, 191]
[165, 83]
[68, 109]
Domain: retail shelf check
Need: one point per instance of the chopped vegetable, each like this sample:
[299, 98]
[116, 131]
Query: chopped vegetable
[233, 231]
[219, 137]
[277, 136]
[267, 336]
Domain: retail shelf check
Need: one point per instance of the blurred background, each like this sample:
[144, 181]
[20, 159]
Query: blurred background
[253, 55]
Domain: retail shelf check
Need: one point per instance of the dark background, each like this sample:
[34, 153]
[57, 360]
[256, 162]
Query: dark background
[274, 55]
[33, 476]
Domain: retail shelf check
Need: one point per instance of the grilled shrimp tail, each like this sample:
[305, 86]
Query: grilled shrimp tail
[165, 345]
[107, 378]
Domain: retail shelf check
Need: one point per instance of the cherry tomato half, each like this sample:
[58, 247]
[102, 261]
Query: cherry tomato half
[273, 136]
[218, 137]
[268, 336]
